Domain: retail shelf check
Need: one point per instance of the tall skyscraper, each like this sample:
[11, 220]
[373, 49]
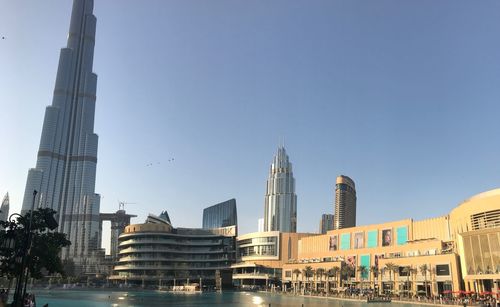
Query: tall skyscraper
[220, 215]
[280, 205]
[4, 214]
[65, 171]
[345, 203]
[326, 223]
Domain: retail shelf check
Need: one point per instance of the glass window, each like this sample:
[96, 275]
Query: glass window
[372, 238]
[345, 241]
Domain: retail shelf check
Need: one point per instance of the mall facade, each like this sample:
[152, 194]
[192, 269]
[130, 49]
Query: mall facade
[456, 252]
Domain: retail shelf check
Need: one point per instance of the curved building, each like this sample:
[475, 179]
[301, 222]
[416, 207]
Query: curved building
[220, 215]
[157, 254]
[345, 203]
[280, 205]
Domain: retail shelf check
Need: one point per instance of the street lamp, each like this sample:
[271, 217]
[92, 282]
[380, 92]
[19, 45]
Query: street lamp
[24, 252]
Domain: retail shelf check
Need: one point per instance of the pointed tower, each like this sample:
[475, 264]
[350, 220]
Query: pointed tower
[4, 214]
[65, 171]
[280, 203]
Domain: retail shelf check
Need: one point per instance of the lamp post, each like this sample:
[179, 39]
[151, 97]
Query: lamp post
[19, 292]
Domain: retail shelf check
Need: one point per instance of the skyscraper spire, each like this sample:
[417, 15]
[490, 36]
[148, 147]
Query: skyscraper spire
[280, 205]
[65, 170]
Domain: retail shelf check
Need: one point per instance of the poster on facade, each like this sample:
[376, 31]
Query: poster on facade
[359, 240]
[334, 242]
[387, 237]
[376, 258]
[351, 261]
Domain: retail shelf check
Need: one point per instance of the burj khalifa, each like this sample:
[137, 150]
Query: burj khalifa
[65, 171]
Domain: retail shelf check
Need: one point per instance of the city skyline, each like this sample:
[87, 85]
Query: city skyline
[395, 109]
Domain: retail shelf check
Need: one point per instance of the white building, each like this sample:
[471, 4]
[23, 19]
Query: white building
[280, 200]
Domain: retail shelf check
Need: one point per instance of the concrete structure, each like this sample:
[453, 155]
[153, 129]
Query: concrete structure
[4, 209]
[280, 205]
[65, 171]
[345, 203]
[157, 254]
[326, 223]
[220, 215]
[261, 256]
[119, 220]
[428, 257]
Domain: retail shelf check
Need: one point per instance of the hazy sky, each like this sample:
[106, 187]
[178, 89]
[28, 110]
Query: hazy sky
[402, 96]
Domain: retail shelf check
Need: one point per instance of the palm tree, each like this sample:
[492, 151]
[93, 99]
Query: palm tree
[423, 270]
[374, 271]
[346, 271]
[308, 272]
[391, 267]
[407, 271]
[335, 273]
[320, 272]
[362, 270]
[296, 272]
[413, 272]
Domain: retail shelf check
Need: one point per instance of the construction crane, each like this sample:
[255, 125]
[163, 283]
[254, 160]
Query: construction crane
[121, 204]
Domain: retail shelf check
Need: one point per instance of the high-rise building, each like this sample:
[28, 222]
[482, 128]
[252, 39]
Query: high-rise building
[65, 172]
[326, 223]
[4, 209]
[220, 215]
[280, 205]
[260, 225]
[345, 203]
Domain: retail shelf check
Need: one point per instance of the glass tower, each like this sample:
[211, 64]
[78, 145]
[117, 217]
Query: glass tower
[280, 203]
[220, 215]
[345, 203]
[65, 170]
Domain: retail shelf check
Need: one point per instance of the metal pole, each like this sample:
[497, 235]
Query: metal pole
[28, 252]
[19, 287]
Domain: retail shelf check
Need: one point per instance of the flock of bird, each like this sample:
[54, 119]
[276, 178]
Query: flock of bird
[157, 163]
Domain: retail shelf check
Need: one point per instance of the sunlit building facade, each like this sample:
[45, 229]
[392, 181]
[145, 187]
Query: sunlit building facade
[157, 254]
[65, 171]
[280, 205]
[458, 251]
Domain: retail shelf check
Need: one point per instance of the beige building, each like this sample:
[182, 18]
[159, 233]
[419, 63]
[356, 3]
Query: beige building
[458, 251]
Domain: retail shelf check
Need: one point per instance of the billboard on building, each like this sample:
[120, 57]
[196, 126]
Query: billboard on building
[334, 243]
[359, 240]
[387, 237]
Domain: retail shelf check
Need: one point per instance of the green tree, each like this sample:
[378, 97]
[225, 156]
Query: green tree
[391, 267]
[44, 249]
[320, 272]
[308, 272]
[296, 272]
[362, 270]
[407, 271]
[374, 271]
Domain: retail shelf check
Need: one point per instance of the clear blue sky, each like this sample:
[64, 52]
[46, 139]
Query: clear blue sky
[402, 96]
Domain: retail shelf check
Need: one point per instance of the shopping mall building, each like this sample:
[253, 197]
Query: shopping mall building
[456, 252]
[155, 254]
